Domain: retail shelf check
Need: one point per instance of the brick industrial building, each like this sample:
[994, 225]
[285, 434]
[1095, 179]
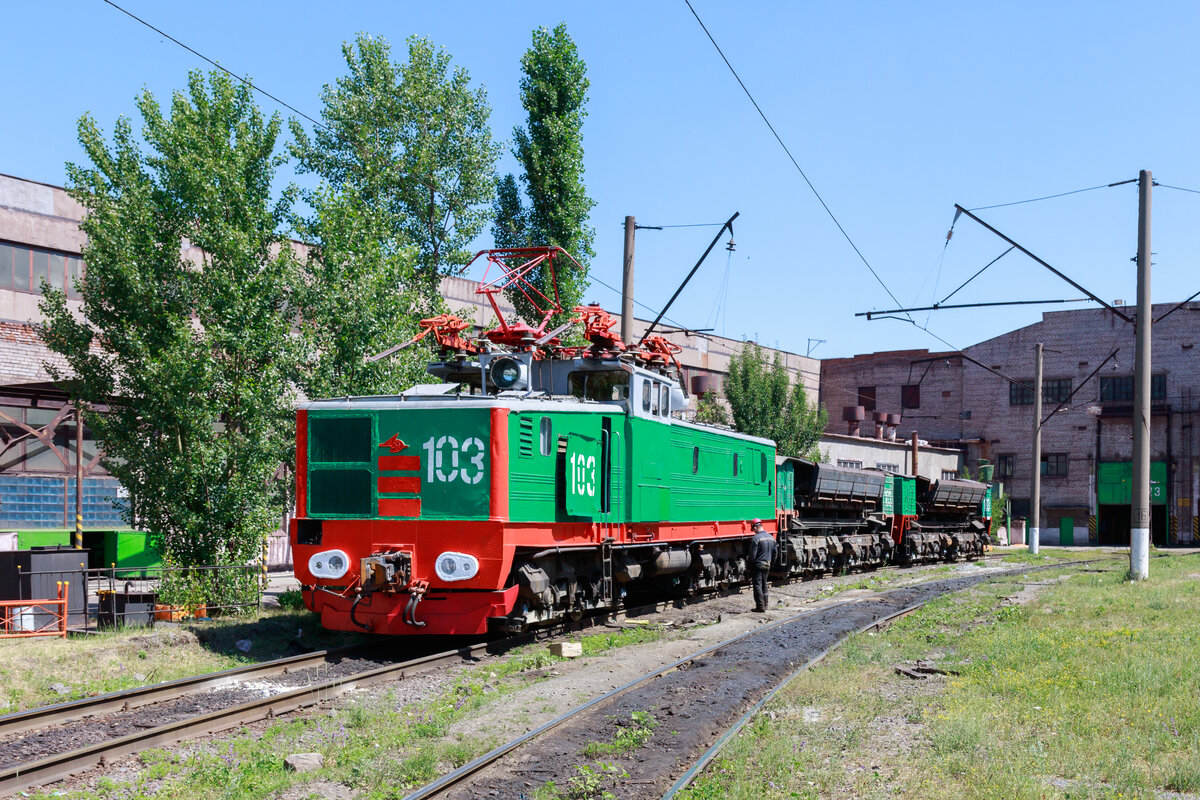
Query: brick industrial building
[1086, 445]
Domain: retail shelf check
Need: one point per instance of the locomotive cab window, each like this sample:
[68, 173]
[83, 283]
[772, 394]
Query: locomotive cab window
[603, 387]
[664, 394]
[546, 437]
[653, 399]
[646, 389]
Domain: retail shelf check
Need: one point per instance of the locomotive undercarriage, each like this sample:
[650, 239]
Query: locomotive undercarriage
[566, 583]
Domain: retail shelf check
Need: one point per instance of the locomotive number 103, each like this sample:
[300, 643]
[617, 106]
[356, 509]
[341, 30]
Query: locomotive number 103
[583, 475]
[471, 450]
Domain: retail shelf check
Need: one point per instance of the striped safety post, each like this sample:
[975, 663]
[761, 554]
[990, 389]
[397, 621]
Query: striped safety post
[1093, 533]
[1173, 534]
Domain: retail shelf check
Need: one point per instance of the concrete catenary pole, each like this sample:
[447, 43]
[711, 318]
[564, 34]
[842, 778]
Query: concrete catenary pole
[1139, 523]
[1035, 475]
[627, 283]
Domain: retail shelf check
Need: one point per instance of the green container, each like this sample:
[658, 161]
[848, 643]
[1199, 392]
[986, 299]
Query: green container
[28, 539]
[904, 496]
[985, 508]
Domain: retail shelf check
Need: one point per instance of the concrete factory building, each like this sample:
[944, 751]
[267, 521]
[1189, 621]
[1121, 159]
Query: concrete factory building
[1087, 441]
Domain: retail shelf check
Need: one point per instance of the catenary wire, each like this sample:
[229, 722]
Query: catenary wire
[795, 163]
[1177, 188]
[1052, 196]
[227, 71]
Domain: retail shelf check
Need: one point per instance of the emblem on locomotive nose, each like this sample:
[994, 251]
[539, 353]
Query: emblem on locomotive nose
[394, 444]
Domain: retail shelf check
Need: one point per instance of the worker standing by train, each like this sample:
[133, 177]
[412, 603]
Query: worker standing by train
[762, 553]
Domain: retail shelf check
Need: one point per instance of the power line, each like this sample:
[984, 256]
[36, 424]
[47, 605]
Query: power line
[1177, 188]
[227, 71]
[1060, 194]
[795, 163]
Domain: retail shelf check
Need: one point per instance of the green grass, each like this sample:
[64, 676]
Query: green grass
[631, 735]
[1086, 692]
[380, 749]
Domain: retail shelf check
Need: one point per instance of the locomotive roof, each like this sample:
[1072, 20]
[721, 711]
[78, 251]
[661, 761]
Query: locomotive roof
[518, 403]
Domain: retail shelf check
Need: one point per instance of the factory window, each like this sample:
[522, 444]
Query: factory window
[1119, 388]
[949, 475]
[1004, 466]
[647, 386]
[887, 467]
[1116, 389]
[23, 269]
[910, 396]
[1056, 390]
[866, 397]
[1020, 394]
[547, 436]
[1054, 464]
[847, 463]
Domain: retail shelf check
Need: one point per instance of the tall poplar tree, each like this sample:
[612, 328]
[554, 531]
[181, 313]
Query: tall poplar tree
[550, 150]
[185, 330]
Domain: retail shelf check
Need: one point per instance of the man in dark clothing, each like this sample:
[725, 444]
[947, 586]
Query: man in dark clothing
[762, 553]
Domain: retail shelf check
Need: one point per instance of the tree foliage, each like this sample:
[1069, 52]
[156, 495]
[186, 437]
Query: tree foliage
[764, 402]
[710, 411]
[411, 141]
[359, 294]
[185, 330]
[550, 150]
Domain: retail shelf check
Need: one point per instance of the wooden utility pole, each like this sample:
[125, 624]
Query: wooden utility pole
[627, 283]
[1035, 475]
[1139, 522]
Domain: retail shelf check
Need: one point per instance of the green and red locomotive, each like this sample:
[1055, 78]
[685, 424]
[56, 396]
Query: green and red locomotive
[540, 482]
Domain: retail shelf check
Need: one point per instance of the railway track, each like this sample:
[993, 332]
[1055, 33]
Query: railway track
[314, 677]
[489, 774]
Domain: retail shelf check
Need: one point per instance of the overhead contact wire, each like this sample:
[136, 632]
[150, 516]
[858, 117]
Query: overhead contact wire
[795, 163]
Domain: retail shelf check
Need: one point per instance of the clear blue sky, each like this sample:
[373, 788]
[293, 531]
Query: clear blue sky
[896, 111]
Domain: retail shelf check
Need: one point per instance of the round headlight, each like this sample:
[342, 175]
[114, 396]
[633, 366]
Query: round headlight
[330, 564]
[456, 566]
[506, 372]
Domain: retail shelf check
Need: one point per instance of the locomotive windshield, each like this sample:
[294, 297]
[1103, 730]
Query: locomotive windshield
[605, 387]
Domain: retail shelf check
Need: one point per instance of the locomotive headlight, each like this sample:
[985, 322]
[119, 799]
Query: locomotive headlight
[507, 373]
[456, 566]
[330, 564]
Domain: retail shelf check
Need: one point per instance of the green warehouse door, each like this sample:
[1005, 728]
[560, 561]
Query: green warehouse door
[1066, 530]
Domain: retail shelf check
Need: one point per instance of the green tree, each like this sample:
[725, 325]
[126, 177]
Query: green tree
[185, 331]
[766, 403]
[411, 141]
[550, 151]
[710, 411]
[359, 295]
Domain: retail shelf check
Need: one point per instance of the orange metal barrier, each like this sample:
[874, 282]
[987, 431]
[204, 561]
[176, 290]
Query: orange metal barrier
[17, 617]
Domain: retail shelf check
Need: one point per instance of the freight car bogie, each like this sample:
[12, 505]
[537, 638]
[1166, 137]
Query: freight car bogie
[807, 555]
